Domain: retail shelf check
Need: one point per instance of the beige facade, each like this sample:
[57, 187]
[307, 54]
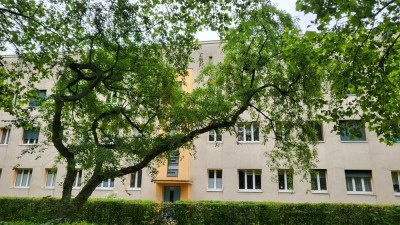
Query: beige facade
[363, 171]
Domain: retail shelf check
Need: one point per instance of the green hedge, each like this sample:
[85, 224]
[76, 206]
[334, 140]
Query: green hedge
[104, 211]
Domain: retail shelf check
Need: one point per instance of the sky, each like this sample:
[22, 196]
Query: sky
[286, 5]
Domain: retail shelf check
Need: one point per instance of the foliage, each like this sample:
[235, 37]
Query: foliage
[360, 48]
[203, 212]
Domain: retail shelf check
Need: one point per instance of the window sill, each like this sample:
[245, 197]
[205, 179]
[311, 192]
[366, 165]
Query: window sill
[104, 189]
[250, 191]
[319, 192]
[214, 142]
[353, 141]
[76, 188]
[21, 187]
[49, 188]
[134, 189]
[321, 141]
[359, 193]
[214, 190]
[397, 194]
[249, 142]
[3, 145]
[286, 191]
[28, 144]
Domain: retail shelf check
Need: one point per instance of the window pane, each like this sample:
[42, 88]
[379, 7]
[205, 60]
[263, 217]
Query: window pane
[219, 136]
[281, 178]
[314, 181]
[289, 181]
[367, 184]
[352, 131]
[219, 183]
[322, 180]
[248, 132]
[258, 181]
[241, 133]
[133, 180]
[318, 128]
[395, 179]
[256, 132]
[358, 183]
[19, 178]
[241, 179]
[211, 135]
[250, 179]
[139, 180]
[112, 182]
[211, 179]
[349, 184]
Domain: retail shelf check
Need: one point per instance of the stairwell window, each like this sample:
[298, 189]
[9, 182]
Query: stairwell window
[285, 178]
[215, 180]
[359, 181]
[23, 178]
[4, 136]
[250, 180]
[318, 181]
[248, 132]
[214, 136]
[31, 137]
[136, 180]
[173, 163]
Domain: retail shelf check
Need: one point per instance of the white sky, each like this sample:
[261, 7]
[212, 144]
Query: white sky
[287, 5]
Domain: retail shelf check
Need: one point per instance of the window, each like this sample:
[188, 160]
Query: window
[106, 184]
[285, 178]
[352, 130]
[4, 136]
[37, 100]
[318, 181]
[396, 181]
[214, 136]
[31, 137]
[136, 180]
[248, 132]
[215, 179]
[318, 128]
[173, 163]
[78, 179]
[23, 178]
[358, 181]
[51, 178]
[250, 180]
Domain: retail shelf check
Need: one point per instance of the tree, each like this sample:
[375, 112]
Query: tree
[359, 41]
[137, 54]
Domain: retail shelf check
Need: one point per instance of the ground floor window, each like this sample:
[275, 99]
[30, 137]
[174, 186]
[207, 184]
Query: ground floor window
[358, 181]
[23, 178]
[249, 179]
[285, 178]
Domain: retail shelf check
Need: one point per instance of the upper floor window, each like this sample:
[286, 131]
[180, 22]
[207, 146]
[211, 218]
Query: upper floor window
[106, 184]
[51, 178]
[136, 180]
[113, 97]
[23, 178]
[352, 130]
[214, 136]
[248, 132]
[318, 128]
[318, 181]
[214, 179]
[173, 163]
[4, 136]
[78, 179]
[358, 181]
[285, 178]
[31, 137]
[396, 181]
[250, 180]
[37, 100]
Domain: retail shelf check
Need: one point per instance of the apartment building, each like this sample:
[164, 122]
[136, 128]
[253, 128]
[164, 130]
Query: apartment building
[226, 167]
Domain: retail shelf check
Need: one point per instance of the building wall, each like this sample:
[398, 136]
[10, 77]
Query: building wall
[229, 156]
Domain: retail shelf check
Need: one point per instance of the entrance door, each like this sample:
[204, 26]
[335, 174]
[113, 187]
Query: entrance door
[172, 193]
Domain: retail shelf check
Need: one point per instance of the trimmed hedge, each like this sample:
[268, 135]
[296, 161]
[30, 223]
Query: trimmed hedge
[105, 211]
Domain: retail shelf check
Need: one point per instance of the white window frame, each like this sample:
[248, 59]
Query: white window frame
[24, 172]
[396, 175]
[214, 134]
[319, 190]
[7, 135]
[214, 173]
[285, 181]
[107, 184]
[29, 142]
[253, 173]
[353, 184]
[242, 129]
[135, 187]
[113, 97]
[52, 174]
[78, 179]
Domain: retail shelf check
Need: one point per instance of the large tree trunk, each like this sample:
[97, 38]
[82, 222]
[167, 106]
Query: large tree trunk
[87, 191]
[65, 210]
